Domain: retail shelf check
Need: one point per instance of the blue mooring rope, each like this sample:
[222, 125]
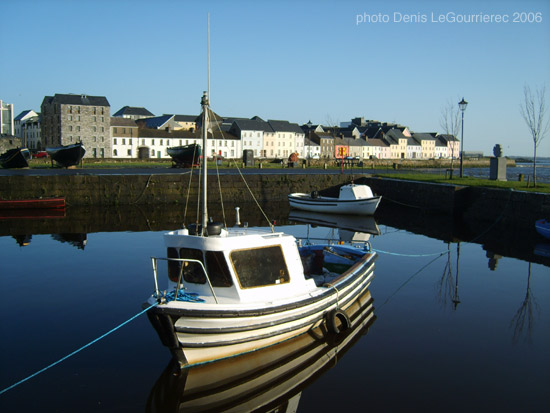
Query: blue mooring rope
[411, 255]
[77, 351]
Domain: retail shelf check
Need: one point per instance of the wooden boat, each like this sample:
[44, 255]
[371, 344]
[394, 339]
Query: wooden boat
[15, 158]
[352, 199]
[231, 291]
[543, 228]
[68, 155]
[270, 379]
[185, 156]
[35, 203]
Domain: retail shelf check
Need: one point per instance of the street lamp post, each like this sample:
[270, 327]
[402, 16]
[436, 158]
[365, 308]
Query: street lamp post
[462, 105]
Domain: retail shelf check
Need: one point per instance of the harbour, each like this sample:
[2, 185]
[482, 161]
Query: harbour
[449, 302]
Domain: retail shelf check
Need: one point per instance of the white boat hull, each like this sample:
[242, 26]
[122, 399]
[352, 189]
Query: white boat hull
[334, 205]
[268, 377]
[199, 333]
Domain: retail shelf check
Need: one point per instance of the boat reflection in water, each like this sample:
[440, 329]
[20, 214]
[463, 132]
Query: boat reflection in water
[77, 240]
[269, 379]
[351, 228]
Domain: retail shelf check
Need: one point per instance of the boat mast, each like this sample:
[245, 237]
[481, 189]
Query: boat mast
[205, 124]
[204, 104]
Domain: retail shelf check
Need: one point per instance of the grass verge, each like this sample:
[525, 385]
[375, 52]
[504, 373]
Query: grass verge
[470, 181]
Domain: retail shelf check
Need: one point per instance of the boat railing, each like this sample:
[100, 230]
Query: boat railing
[180, 276]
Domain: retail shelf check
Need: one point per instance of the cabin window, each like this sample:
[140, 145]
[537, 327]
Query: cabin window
[173, 266]
[192, 271]
[217, 268]
[260, 266]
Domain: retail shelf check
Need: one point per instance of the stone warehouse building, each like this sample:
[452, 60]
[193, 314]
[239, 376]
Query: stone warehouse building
[68, 119]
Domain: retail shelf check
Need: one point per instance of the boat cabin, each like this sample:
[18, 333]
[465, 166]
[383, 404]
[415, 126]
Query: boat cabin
[243, 265]
[353, 191]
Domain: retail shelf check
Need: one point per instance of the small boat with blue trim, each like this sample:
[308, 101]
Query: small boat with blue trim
[232, 291]
[543, 228]
[352, 199]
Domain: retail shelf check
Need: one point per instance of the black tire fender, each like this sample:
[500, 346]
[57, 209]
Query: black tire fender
[333, 317]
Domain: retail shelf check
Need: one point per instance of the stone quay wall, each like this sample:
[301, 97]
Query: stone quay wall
[482, 204]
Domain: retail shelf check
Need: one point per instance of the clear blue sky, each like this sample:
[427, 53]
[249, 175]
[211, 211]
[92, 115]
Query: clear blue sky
[294, 60]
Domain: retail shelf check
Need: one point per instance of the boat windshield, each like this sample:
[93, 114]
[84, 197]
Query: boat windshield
[216, 265]
[259, 267]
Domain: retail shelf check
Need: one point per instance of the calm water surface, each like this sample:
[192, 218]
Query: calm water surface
[451, 334]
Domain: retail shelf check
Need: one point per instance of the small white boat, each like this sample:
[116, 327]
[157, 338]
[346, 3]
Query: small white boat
[231, 291]
[271, 379]
[353, 199]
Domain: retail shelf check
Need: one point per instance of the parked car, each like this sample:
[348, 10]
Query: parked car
[40, 154]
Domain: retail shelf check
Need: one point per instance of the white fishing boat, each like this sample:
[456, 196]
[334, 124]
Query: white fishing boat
[231, 291]
[352, 199]
[270, 379]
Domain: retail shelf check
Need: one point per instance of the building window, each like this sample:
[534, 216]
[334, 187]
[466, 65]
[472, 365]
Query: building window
[114, 141]
[123, 141]
[115, 153]
[114, 130]
[129, 152]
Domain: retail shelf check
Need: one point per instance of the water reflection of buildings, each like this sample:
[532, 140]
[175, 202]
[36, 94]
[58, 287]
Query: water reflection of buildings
[78, 240]
[271, 379]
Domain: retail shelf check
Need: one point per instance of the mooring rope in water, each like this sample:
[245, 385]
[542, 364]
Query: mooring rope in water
[76, 351]
[411, 255]
[410, 279]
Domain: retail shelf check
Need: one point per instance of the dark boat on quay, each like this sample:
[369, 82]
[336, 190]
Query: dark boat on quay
[15, 158]
[68, 155]
[185, 156]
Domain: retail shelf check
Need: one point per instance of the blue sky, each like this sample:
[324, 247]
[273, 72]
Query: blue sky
[294, 60]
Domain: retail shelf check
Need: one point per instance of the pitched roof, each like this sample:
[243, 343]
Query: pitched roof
[185, 118]
[250, 124]
[393, 135]
[22, 115]
[133, 110]
[116, 121]
[284, 126]
[376, 142]
[156, 122]
[82, 100]
[424, 136]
